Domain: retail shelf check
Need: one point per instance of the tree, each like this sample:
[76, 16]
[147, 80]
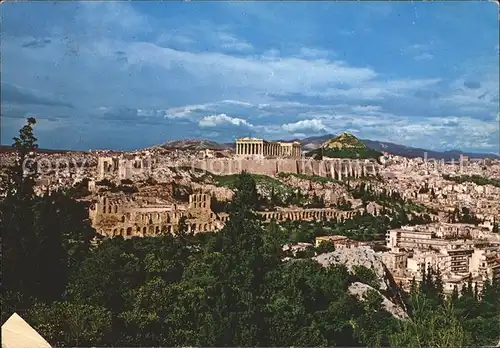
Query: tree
[68, 324]
[43, 237]
[496, 227]
[16, 223]
[242, 271]
[20, 178]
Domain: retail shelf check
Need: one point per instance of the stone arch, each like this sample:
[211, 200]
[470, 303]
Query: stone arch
[122, 231]
[151, 230]
[157, 229]
[129, 231]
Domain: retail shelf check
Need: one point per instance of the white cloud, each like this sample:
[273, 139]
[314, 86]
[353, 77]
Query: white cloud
[306, 52]
[375, 90]
[216, 36]
[305, 126]
[229, 41]
[423, 56]
[185, 111]
[419, 52]
[223, 119]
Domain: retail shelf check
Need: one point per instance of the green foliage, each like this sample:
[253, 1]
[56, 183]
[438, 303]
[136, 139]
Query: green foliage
[325, 247]
[476, 179]
[313, 178]
[431, 327]
[463, 216]
[105, 182]
[343, 204]
[69, 324]
[79, 189]
[44, 237]
[496, 227]
[344, 153]
[366, 276]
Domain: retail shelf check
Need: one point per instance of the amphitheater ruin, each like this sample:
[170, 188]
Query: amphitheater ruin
[134, 218]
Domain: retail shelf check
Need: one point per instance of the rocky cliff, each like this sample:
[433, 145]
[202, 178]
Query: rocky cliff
[366, 256]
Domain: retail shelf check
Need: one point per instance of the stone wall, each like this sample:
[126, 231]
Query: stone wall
[337, 169]
[316, 214]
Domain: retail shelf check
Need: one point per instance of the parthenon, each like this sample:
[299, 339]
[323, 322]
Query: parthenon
[259, 147]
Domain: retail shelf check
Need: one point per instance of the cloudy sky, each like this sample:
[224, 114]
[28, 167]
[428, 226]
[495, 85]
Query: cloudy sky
[127, 75]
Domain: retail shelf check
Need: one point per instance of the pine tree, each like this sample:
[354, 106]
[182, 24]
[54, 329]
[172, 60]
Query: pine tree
[454, 295]
[243, 269]
[496, 227]
[438, 285]
[17, 218]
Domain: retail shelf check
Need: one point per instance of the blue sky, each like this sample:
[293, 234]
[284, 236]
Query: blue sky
[127, 75]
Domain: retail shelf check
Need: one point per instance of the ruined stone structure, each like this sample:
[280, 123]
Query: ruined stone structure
[260, 147]
[128, 217]
[308, 214]
[336, 169]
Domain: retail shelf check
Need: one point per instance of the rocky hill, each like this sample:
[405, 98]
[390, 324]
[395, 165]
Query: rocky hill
[315, 142]
[344, 141]
[344, 146]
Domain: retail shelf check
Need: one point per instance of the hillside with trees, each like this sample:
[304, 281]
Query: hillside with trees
[344, 146]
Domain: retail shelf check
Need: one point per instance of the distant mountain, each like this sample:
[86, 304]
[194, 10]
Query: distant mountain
[194, 144]
[344, 146]
[399, 150]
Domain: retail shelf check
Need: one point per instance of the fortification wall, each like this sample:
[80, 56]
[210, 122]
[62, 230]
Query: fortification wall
[324, 168]
[287, 166]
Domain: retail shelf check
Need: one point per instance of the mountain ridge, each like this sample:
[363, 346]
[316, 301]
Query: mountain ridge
[310, 143]
[401, 150]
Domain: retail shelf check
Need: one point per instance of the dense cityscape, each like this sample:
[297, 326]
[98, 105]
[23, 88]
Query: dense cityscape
[250, 174]
[389, 230]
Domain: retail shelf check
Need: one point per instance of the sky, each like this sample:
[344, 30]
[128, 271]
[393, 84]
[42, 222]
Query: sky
[127, 75]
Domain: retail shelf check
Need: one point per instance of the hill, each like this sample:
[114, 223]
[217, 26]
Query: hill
[315, 142]
[344, 146]
[344, 141]
[194, 144]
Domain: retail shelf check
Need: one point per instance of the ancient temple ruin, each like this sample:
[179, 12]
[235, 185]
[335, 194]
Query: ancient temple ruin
[262, 148]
